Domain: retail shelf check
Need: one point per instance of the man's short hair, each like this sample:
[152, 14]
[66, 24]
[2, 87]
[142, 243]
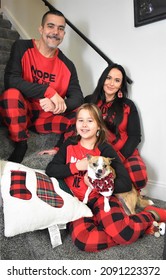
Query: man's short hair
[53, 12]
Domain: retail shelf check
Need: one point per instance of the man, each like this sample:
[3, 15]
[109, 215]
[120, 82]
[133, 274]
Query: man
[42, 90]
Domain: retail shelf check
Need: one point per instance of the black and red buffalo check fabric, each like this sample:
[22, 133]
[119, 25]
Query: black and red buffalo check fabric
[18, 188]
[107, 229]
[46, 192]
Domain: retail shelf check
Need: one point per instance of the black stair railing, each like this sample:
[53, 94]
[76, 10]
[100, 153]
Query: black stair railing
[89, 42]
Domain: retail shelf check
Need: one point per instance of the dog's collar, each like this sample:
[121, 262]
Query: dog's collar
[103, 184]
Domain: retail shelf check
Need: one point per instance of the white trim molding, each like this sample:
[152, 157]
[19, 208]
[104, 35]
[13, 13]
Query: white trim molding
[155, 190]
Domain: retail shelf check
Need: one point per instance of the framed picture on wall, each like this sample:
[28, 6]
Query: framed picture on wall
[148, 11]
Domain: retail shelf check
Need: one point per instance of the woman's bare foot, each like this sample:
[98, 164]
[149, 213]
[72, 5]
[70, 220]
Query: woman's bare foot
[48, 152]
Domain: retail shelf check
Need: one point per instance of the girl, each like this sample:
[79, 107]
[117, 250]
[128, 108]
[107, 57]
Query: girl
[104, 229]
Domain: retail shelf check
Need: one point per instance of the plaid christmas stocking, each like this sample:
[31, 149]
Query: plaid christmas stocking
[17, 187]
[46, 192]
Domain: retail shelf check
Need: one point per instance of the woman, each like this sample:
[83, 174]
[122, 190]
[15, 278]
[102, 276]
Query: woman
[104, 229]
[122, 120]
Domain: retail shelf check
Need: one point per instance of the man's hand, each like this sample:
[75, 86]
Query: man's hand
[47, 105]
[59, 103]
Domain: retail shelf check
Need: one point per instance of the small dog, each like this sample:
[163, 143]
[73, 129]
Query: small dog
[101, 176]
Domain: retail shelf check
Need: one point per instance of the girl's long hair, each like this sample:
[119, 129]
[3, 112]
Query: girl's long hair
[115, 112]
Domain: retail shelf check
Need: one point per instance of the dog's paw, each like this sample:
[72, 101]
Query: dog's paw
[150, 202]
[107, 208]
[106, 205]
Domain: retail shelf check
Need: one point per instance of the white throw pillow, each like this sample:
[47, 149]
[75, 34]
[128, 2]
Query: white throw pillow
[26, 210]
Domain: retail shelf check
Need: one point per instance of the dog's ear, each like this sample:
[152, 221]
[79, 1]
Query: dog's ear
[110, 160]
[88, 156]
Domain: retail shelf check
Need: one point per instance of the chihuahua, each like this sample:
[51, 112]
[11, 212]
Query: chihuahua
[101, 176]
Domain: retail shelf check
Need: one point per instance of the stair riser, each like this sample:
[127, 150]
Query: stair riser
[6, 33]
[5, 23]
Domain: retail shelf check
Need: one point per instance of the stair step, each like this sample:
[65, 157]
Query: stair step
[8, 33]
[5, 23]
[5, 44]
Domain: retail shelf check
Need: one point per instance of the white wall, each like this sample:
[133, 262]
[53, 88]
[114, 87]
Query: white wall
[25, 15]
[142, 51]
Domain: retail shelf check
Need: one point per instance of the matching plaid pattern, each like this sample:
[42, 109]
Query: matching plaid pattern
[18, 188]
[19, 114]
[137, 171]
[107, 229]
[46, 192]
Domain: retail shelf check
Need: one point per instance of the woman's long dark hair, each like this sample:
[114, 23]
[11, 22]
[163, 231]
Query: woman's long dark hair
[115, 112]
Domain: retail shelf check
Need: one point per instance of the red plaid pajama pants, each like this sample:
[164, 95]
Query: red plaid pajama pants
[136, 169]
[19, 114]
[107, 229]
